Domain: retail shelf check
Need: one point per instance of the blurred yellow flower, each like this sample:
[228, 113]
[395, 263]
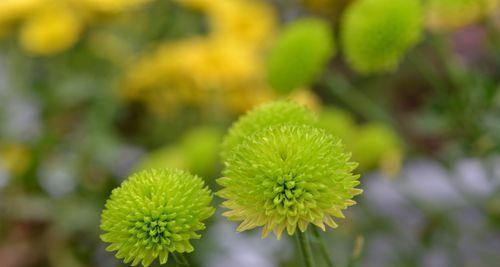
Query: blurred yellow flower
[224, 67]
[49, 27]
[12, 10]
[444, 15]
[191, 68]
[249, 22]
[50, 30]
[15, 157]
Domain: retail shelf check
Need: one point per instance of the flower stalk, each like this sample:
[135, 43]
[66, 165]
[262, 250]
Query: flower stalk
[305, 248]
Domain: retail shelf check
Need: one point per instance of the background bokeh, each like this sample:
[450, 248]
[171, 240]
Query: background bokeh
[91, 91]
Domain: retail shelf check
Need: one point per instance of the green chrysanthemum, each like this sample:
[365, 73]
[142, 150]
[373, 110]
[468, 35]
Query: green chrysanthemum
[377, 33]
[339, 123]
[200, 147]
[288, 176]
[300, 53]
[375, 143]
[266, 115]
[154, 213]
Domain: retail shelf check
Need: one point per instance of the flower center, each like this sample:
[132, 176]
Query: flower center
[286, 191]
[154, 231]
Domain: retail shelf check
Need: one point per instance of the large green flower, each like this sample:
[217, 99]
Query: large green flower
[266, 115]
[287, 176]
[154, 213]
[377, 33]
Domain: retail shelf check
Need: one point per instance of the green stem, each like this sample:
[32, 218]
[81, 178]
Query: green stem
[180, 259]
[305, 249]
[322, 247]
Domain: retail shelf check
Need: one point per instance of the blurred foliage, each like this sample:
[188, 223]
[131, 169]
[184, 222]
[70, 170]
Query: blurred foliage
[92, 90]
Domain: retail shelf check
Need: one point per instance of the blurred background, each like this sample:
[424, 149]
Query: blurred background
[91, 91]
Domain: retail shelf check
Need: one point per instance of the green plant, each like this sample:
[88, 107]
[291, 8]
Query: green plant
[377, 33]
[154, 213]
[266, 115]
[288, 176]
[300, 53]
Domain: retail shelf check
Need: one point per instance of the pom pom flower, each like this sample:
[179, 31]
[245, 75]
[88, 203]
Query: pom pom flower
[378, 145]
[154, 213]
[287, 176]
[266, 115]
[299, 54]
[377, 33]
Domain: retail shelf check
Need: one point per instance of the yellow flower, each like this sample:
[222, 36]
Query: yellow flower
[444, 15]
[50, 30]
[190, 68]
[247, 21]
[49, 27]
[225, 67]
[15, 157]
[194, 71]
[12, 10]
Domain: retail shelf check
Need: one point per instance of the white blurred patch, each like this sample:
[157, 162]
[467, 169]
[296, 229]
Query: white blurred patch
[57, 176]
[4, 175]
[122, 159]
[245, 249]
[471, 175]
[21, 119]
[435, 258]
[430, 184]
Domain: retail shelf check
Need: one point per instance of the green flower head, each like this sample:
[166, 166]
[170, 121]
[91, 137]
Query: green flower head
[200, 147]
[266, 115]
[377, 33]
[374, 143]
[288, 176]
[339, 123]
[153, 213]
[299, 54]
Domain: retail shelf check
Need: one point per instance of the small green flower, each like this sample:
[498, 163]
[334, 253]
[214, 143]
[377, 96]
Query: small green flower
[266, 115]
[154, 213]
[200, 147]
[339, 123]
[377, 33]
[376, 143]
[288, 176]
[300, 53]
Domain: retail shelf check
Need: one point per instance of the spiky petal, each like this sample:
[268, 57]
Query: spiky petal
[266, 115]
